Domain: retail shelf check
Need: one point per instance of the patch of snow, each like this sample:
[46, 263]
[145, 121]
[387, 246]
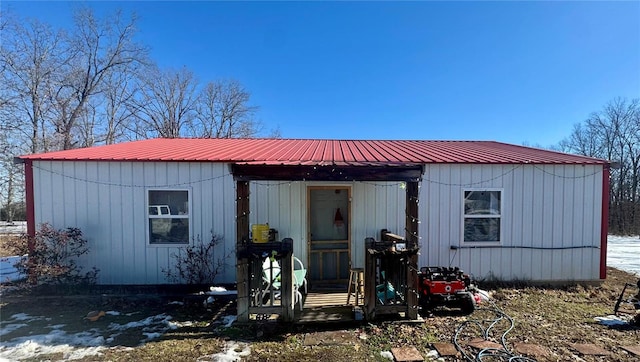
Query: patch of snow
[151, 335]
[56, 326]
[11, 327]
[23, 317]
[17, 227]
[8, 272]
[73, 346]
[233, 351]
[176, 325]
[112, 312]
[433, 354]
[176, 303]
[160, 318]
[622, 253]
[221, 291]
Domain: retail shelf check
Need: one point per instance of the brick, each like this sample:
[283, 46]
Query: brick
[445, 349]
[481, 343]
[529, 349]
[590, 349]
[634, 350]
[406, 354]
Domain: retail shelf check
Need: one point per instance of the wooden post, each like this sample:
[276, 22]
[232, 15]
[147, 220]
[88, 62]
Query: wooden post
[412, 242]
[369, 280]
[242, 238]
[286, 288]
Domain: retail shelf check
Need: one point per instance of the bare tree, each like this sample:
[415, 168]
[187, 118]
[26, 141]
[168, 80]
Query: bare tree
[613, 133]
[107, 118]
[99, 49]
[165, 103]
[93, 84]
[116, 115]
[223, 111]
[31, 55]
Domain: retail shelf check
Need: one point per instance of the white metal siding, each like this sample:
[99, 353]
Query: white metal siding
[553, 206]
[106, 200]
[556, 208]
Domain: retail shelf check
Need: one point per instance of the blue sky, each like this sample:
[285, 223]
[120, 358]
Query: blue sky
[516, 72]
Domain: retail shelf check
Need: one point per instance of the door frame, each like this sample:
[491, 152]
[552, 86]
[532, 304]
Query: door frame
[349, 190]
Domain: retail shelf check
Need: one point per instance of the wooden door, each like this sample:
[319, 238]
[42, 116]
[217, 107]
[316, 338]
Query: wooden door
[329, 235]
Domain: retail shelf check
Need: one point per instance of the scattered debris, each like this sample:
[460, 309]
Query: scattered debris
[433, 354]
[386, 354]
[228, 320]
[612, 320]
[208, 301]
[94, 315]
[633, 303]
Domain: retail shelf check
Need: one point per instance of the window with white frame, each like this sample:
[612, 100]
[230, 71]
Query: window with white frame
[168, 215]
[482, 215]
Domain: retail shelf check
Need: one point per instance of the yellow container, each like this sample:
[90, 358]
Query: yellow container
[260, 233]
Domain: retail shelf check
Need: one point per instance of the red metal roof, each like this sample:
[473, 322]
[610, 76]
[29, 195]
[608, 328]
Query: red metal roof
[316, 152]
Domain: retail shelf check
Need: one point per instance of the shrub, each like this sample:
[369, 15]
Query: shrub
[195, 264]
[54, 257]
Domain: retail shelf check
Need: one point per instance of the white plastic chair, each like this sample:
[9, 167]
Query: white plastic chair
[271, 277]
[299, 280]
[302, 272]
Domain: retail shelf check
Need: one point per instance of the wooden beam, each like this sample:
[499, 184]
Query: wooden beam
[413, 242]
[286, 287]
[326, 173]
[412, 217]
[369, 281]
[386, 235]
[242, 238]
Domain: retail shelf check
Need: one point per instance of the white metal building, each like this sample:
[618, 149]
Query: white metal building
[495, 210]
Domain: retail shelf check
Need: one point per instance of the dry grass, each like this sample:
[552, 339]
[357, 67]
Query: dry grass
[553, 318]
[6, 241]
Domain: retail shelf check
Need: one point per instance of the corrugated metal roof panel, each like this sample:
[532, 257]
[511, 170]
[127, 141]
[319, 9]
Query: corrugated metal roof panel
[316, 152]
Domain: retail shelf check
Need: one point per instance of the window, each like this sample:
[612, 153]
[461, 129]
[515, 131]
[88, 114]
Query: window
[168, 212]
[482, 215]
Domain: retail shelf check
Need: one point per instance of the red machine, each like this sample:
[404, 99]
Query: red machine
[445, 286]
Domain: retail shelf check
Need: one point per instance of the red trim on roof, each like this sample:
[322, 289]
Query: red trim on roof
[29, 199]
[604, 223]
[316, 152]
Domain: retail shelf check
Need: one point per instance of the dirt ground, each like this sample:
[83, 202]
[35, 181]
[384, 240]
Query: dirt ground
[553, 318]
[5, 243]
[164, 327]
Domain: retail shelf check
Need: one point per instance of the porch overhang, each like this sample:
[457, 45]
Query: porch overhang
[246, 172]
[262, 172]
